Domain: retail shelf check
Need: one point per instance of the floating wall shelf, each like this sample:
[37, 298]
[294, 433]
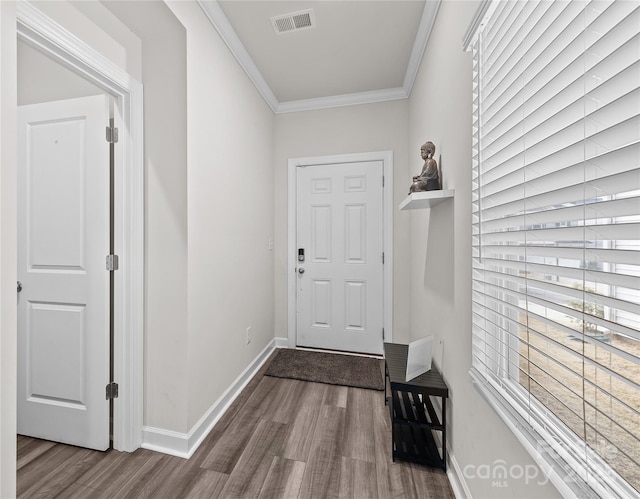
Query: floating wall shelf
[427, 199]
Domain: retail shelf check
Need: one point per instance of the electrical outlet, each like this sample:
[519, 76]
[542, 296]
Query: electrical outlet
[248, 335]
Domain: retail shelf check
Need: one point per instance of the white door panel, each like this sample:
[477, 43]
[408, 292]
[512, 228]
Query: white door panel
[63, 239]
[339, 226]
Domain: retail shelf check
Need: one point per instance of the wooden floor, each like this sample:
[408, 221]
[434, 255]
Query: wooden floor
[280, 438]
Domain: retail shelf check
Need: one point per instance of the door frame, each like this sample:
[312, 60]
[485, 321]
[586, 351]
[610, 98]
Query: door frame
[40, 31]
[386, 157]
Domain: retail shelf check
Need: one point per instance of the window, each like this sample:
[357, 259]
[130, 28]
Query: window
[556, 234]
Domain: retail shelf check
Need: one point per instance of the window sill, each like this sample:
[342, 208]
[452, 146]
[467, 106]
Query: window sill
[555, 459]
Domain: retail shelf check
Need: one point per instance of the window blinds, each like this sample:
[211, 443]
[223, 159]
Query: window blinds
[556, 228]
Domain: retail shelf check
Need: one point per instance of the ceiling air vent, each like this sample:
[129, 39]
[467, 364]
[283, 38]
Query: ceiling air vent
[296, 21]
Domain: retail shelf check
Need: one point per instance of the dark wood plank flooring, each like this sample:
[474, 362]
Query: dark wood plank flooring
[280, 438]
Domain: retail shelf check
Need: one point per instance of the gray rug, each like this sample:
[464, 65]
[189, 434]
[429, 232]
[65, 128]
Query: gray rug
[330, 368]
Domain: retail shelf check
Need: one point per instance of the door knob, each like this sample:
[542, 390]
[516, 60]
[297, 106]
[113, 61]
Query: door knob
[301, 270]
[19, 286]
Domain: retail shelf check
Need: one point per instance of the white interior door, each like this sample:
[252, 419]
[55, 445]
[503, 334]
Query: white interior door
[340, 282]
[63, 239]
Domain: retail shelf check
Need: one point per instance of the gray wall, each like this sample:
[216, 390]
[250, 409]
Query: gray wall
[163, 69]
[440, 290]
[208, 199]
[351, 129]
[40, 79]
[223, 188]
[164, 76]
[230, 215]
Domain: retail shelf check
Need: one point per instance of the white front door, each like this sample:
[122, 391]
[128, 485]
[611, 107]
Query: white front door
[63, 239]
[340, 238]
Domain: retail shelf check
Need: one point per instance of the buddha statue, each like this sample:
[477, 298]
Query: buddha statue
[429, 178]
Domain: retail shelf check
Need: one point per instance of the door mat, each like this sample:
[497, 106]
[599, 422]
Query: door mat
[330, 368]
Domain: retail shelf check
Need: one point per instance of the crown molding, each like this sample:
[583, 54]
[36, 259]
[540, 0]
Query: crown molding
[420, 44]
[221, 23]
[342, 100]
[217, 17]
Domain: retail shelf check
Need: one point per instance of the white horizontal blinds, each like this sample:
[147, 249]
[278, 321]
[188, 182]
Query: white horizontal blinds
[556, 234]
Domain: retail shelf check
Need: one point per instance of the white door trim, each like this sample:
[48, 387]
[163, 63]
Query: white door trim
[387, 161]
[37, 29]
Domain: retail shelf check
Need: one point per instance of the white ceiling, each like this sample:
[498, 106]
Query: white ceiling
[359, 50]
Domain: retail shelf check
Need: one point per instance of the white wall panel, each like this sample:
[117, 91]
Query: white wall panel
[321, 186]
[56, 229]
[321, 298]
[56, 344]
[355, 305]
[355, 239]
[356, 183]
[321, 230]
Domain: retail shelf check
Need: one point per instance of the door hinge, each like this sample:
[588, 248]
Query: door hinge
[383, 258]
[383, 181]
[112, 263]
[382, 334]
[112, 134]
[112, 391]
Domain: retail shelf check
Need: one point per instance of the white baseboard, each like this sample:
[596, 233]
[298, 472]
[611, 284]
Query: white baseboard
[454, 473]
[281, 342]
[456, 479]
[185, 444]
[165, 441]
